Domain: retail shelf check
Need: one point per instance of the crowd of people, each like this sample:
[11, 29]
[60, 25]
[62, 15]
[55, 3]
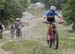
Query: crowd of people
[15, 29]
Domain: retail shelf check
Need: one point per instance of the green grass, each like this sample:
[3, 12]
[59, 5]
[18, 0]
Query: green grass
[66, 44]
[6, 37]
[38, 44]
[15, 45]
[20, 47]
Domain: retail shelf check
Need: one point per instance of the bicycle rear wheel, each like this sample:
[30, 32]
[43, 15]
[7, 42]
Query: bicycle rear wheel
[18, 34]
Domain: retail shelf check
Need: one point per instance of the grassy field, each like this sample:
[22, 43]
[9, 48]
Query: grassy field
[37, 44]
[35, 40]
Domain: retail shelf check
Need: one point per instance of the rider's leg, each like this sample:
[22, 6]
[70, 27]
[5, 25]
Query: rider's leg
[49, 32]
[17, 35]
[54, 29]
[20, 34]
[47, 41]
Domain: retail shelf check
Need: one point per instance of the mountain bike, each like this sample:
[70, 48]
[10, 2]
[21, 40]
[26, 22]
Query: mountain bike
[52, 36]
[18, 33]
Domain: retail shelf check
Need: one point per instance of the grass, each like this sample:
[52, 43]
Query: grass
[38, 44]
[20, 47]
[66, 45]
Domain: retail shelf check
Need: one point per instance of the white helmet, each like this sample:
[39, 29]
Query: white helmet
[17, 18]
[53, 8]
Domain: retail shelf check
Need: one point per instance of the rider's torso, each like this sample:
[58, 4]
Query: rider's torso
[17, 25]
[51, 19]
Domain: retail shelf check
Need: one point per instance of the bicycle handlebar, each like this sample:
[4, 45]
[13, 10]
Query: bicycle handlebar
[52, 22]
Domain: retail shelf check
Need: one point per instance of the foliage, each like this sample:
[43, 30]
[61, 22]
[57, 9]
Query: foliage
[48, 3]
[57, 3]
[69, 14]
[34, 1]
[11, 9]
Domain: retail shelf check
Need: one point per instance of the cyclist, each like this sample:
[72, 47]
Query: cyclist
[18, 26]
[1, 29]
[12, 30]
[50, 17]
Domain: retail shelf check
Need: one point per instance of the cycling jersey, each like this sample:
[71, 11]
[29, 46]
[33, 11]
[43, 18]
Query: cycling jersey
[48, 13]
[51, 13]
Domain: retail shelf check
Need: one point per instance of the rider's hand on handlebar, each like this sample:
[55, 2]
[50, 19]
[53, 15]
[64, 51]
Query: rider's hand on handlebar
[44, 19]
[61, 21]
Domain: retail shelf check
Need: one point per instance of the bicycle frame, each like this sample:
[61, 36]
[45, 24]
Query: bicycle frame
[52, 36]
[51, 28]
[18, 33]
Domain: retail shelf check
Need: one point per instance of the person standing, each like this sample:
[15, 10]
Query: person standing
[18, 28]
[12, 30]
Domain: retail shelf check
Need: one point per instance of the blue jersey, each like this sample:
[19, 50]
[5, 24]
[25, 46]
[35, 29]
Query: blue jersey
[48, 13]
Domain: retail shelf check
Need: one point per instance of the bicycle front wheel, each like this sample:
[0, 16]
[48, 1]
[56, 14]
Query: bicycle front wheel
[55, 41]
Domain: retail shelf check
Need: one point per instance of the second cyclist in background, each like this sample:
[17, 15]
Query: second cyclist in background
[18, 27]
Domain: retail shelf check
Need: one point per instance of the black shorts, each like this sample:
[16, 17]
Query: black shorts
[50, 19]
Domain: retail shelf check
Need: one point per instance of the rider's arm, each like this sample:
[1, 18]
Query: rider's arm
[60, 17]
[3, 27]
[46, 15]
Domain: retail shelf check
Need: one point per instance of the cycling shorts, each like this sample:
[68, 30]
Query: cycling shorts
[49, 19]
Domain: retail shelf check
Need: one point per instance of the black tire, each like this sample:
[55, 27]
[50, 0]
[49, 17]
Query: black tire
[18, 34]
[50, 44]
[55, 41]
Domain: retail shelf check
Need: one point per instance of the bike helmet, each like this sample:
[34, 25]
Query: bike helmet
[53, 8]
[17, 18]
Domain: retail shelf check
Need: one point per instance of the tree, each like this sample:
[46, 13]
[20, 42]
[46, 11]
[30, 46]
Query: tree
[2, 4]
[34, 1]
[57, 3]
[11, 9]
[69, 13]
